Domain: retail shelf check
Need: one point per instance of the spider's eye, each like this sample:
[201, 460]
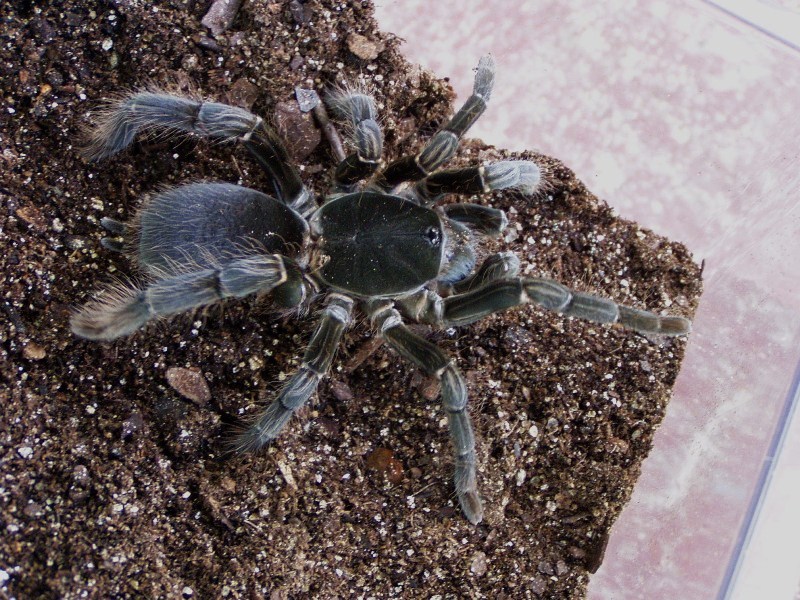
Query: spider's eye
[434, 236]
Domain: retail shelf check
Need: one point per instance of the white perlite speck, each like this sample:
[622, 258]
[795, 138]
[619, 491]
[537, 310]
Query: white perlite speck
[521, 474]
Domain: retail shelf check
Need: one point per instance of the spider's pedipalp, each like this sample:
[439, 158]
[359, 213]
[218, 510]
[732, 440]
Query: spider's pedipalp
[502, 265]
[427, 306]
[523, 175]
[481, 219]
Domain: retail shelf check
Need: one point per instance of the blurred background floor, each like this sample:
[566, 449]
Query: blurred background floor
[683, 116]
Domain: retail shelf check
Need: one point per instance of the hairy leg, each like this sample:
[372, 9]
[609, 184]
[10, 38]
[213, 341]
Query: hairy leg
[522, 175]
[431, 360]
[316, 363]
[360, 113]
[441, 148]
[119, 125]
[497, 295]
[125, 309]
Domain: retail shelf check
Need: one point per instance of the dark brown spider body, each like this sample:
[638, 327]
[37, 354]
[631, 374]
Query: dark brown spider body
[377, 245]
[202, 223]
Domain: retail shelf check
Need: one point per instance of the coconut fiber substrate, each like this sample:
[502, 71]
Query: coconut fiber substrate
[116, 480]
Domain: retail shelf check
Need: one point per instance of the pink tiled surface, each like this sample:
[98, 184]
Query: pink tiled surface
[685, 119]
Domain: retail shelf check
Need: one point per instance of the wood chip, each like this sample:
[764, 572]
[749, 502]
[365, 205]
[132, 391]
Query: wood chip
[364, 48]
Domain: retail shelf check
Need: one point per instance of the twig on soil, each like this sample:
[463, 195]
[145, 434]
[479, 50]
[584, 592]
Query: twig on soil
[220, 16]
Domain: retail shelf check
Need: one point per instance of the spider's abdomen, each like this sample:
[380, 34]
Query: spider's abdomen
[378, 245]
[202, 225]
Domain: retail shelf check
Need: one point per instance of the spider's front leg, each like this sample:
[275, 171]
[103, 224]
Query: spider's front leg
[497, 295]
[444, 143]
[316, 363]
[431, 360]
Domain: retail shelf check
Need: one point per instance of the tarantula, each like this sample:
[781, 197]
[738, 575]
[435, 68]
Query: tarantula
[378, 243]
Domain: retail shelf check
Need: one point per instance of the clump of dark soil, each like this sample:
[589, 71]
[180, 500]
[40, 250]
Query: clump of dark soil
[115, 481]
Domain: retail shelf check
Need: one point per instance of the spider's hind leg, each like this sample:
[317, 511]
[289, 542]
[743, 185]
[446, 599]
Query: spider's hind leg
[124, 309]
[316, 363]
[119, 125]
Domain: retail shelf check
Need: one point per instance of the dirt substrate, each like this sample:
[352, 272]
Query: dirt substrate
[114, 484]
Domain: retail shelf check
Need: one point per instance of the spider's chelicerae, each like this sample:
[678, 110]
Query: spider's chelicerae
[377, 243]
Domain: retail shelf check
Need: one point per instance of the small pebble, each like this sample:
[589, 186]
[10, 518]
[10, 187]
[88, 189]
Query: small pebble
[538, 586]
[307, 99]
[301, 13]
[190, 384]
[521, 474]
[383, 461]
[341, 391]
[33, 510]
[32, 216]
[479, 564]
[364, 48]
[298, 129]
[561, 568]
[33, 351]
[80, 475]
[243, 93]
[220, 15]
[131, 425]
[286, 471]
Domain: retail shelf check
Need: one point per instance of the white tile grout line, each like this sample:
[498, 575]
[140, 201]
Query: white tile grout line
[781, 24]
